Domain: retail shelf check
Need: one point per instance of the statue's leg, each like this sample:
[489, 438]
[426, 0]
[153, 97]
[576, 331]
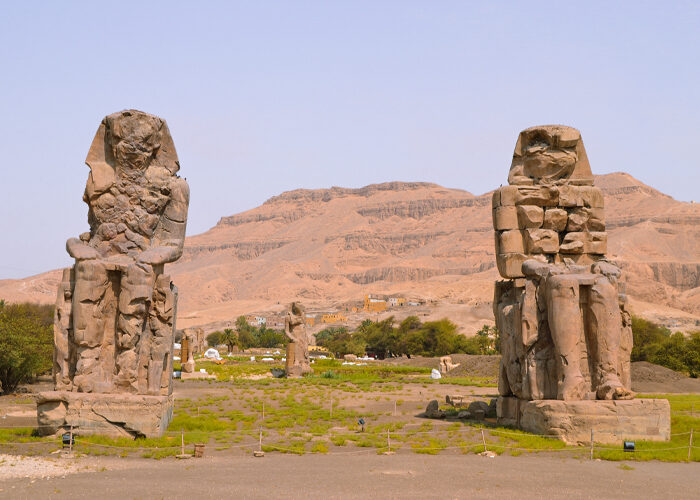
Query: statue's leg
[91, 283]
[161, 325]
[605, 326]
[135, 299]
[566, 327]
[62, 366]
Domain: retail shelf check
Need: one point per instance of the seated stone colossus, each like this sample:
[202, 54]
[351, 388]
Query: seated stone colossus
[115, 314]
[565, 330]
[566, 335]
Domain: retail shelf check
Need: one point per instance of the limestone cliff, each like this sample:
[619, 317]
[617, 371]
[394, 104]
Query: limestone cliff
[327, 246]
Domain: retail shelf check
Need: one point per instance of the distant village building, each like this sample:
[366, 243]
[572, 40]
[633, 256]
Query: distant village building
[333, 318]
[310, 320]
[256, 320]
[275, 322]
[374, 303]
[397, 301]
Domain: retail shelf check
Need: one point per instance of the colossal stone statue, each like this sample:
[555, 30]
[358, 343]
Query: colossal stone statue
[297, 362]
[115, 311]
[561, 312]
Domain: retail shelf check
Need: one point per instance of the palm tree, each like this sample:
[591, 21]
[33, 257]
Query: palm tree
[229, 338]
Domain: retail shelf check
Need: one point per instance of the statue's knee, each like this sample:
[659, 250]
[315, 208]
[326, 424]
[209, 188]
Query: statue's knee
[603, 291]
[562, 286]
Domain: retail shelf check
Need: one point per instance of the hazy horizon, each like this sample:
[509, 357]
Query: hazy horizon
[268, 97]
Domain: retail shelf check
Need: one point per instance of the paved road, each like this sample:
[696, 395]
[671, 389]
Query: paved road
[403, 476]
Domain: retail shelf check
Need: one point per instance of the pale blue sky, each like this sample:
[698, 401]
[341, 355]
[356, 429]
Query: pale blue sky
[263, 97]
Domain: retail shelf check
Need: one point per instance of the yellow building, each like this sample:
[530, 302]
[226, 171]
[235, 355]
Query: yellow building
[333, 318]
[310, 320]
[374, 304]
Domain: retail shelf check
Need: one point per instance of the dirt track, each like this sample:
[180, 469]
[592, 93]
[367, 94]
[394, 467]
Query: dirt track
[370, 476]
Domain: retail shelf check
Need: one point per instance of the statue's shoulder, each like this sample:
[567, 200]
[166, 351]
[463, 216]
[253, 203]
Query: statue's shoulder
[180, 190]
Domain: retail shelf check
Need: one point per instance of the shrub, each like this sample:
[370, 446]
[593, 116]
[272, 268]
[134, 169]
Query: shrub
[656, 344]
[26, 343]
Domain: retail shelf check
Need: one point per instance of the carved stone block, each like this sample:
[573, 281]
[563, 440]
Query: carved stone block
[542, 241]
[116, 415]
[530, 216]
[505, 218]
[555, 219]
[612, 422]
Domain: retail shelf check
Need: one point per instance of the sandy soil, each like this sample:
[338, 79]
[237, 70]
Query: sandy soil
[647, 377]
[371, 476]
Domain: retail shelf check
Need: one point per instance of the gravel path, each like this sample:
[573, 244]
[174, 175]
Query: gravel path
[407, 476]
[14, 466]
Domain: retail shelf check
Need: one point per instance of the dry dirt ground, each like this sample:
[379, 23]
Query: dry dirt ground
[345, 471]
[646, 377]
[372, 476]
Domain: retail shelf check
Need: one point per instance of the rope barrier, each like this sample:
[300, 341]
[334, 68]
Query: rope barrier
[642, 451]
[26, 442]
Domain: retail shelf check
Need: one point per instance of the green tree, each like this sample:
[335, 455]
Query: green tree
[214, 339]
[246, 333]
[229, 337]
[26, 344]
[486, 341]
[648, 337]
[267, 337]
[340, 342]
[380, 337]
[328, 334]
[692, 354]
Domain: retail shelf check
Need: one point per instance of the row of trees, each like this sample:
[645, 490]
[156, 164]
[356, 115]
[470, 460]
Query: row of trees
[656, 344]
[410, 337]
[246, 336]
[26, 343]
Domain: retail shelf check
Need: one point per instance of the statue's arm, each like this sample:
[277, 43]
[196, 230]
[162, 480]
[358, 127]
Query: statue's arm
[79, 250]
[169, 237]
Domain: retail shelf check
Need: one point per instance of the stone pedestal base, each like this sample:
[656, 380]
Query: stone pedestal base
[116, 415]
[572, 421]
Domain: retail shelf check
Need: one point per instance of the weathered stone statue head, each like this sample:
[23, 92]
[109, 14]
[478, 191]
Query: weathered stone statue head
[549, 154]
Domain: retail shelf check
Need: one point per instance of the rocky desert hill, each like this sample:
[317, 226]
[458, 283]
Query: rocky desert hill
[330, 246]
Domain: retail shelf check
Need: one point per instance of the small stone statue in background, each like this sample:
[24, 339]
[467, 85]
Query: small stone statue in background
[298, 349]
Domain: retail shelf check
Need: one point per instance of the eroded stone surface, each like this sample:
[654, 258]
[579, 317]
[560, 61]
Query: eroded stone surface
[116, 415]
[116, 308]
[572, 421]
[298, 348]
[565, 330]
